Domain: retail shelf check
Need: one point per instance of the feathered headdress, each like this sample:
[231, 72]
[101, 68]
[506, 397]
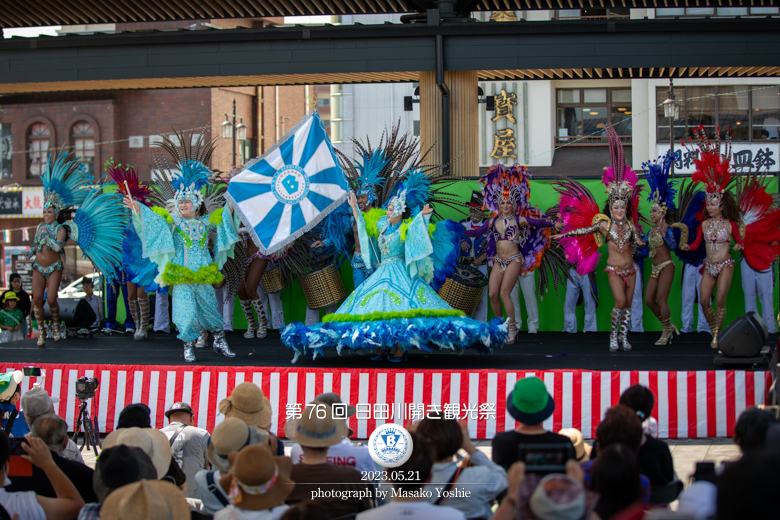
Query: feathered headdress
[712, 166]
[127, 180]
[413, 192]
[65, 182]
[369, 178]
[662, 187]
[620, 180]
[191, 173]
[501, 183]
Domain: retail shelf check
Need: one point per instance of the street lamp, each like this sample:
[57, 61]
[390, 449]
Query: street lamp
[672, 111]
[228, 133]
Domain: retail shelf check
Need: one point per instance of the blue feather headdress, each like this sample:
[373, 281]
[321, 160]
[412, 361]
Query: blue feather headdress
[65, 182]
[412, 192]
[188, 183]
[370, 179]
[662, 187]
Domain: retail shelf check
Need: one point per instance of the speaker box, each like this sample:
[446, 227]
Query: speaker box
[74, 312]
[744, 337]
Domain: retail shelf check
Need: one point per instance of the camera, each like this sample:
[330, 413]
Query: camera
[32, 371]
[86, 387]
[545, 458]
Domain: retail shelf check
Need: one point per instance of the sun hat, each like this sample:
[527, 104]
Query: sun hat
[316, 428]
[8, 383]
[232, 435]
[248, 403]
[148, 499]
[120, 466]
[529, 402]
[37, 402]
[178, 407]
[581, 448]
[153, 442]
[10, 295]
[258, 480]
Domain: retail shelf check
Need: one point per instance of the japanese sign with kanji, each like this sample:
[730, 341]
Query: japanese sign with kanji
[32, 202]
[504, 140]
[11, 203]
[747, 157]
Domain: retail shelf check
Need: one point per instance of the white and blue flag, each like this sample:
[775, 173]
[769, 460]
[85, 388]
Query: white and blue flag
[291, 188]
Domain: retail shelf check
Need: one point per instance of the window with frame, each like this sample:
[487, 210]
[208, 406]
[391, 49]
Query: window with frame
[38, 144]
[6, 151]
[82, 136]
[749, 113]
[583, 114]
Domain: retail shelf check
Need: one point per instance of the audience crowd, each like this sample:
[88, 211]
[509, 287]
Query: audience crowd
[239, 471]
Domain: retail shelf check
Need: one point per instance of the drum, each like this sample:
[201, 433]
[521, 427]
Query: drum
[272, 280]
[464, 289]
[323, 288]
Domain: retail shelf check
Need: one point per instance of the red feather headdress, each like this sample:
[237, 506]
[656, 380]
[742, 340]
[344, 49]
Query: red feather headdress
[712, 166]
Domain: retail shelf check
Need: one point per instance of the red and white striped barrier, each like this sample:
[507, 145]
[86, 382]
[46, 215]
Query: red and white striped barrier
[689, 404]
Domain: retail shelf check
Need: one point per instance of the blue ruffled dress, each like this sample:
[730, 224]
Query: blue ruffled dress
[395, 306]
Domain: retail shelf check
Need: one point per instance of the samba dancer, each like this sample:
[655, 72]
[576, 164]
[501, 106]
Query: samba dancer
[178, 244]
[473, 248]
[616, 225]
[660, 243]
[505, 192]
[66, 183]
[721, 217]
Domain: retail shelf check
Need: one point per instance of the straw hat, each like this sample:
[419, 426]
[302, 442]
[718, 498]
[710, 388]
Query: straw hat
[258, 479]
[232, 435]
[153, 442]
[248, 403]
[148, 499]
[581, 448]
[316, 428]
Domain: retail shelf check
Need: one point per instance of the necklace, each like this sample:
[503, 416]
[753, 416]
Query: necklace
[620, 234]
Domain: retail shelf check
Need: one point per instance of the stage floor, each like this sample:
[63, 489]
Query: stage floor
[543, 351]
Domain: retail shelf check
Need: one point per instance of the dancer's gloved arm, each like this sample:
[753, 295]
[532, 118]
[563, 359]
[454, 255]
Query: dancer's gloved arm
[478, 232]
[697, 242]
[539, 222]
[671, 242]
[737, 236]
[595, 228]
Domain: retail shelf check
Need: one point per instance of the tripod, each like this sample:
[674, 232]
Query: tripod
[91, 431]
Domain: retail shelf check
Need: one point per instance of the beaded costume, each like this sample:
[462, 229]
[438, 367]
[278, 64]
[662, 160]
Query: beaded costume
[180, 248]
[582, 219]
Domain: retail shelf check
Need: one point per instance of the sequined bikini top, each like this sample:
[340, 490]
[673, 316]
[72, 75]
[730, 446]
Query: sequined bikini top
[620, 234]
[512, 233]
[716, 232]
[46, 235]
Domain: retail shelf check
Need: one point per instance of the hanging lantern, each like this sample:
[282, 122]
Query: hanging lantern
[7, 236]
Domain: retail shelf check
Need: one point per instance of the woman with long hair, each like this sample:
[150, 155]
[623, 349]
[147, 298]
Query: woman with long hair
[517, 235]
[585, 229]
[721, 218]
[661, 242]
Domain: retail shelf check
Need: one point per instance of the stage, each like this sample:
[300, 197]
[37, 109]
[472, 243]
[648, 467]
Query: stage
[695, 397]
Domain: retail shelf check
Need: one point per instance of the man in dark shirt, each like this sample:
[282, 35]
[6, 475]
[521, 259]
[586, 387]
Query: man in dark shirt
[530, 404]
[315, 475]
[53, 431]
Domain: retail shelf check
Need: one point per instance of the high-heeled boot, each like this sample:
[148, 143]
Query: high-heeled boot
[202, 339]
[38, 313]
[709, 315]
[625, 323]
[251, 324]
[189, 351]
[262, 328]
[55, 323]
[135, 314]
[720, 317]
[142, 325]
[220, 344]
[615, 330]
[511, 328]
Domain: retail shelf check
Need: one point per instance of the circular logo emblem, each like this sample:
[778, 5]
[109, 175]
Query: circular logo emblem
[390, 445]
[290, 184]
